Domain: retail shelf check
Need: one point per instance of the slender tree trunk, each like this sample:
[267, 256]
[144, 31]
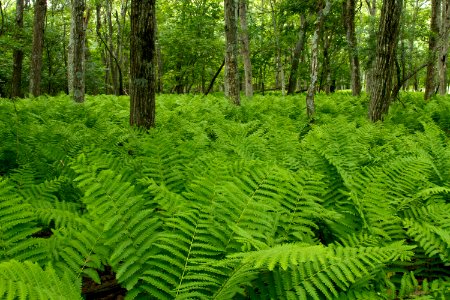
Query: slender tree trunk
[111, 52]
[322, 12]
[296, 56]
[18, 53]
[142, 63]
[445, 23]
[211, 84]
[248, 78]
[77, 57]
[40, 9]
[372, 7]
[231, 41]
[279, 76]
[349, 21]
[380, 96]
[2, 22]
[433, 43]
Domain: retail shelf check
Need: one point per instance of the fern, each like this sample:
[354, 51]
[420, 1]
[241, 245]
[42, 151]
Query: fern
[29, 281]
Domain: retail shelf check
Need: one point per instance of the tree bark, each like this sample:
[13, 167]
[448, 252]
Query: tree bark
[76, 64]
[380, 96]
[372, 7]
[442, 64]
[211, 84]
[142, 63]
[40, 10]
[111, 49]
[300, 45]
[248, 77]
[349, 22]
[18, 53]
[231, 41]
[431, 80]
[322, 12]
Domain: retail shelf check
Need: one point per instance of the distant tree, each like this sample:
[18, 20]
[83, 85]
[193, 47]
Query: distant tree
[40, 9]
[76, 63]
[16, 82]
[322, 10]
[444, 34]
[431, 79]
[142, 63]
[349, 24]
[299, 47]
[231, 59]
[248, 78]
[380, 92]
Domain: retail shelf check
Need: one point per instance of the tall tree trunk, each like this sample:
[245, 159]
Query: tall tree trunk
[380, 96]
[40, 9]
[372, 7]
[431, 80]
[299, 46]
[445, 23]
[2, 22]
[112, 51]
[279, 76]
[18, 53]
[142, 63]
[322, 12]
[76, 64]
[231, 63]
[248, 78]
[349, 22]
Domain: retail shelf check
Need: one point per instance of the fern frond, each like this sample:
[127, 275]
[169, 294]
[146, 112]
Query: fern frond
[29, 281]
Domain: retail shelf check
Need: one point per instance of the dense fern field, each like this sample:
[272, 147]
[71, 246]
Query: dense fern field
[225, 202]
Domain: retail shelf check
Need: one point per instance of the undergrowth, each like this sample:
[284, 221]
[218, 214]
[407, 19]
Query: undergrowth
[225, 202]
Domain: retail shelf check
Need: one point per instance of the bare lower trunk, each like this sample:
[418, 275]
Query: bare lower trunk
[372, 7]
[310, 106]
[296, 56]
[349, 21]
[442, 63]
[112, 50]
[231, 64]
[248, 78]
[142, 63]
[77, 57]
[431, 80]
[17, 54]
[380, 96]
[40, 9]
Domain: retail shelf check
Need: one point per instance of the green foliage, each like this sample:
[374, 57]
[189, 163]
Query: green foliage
[225, 202]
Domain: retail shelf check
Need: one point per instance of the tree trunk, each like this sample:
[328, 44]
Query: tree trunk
[430, 81]
[380, 96]
[349, 22]
[231, 41]
[372, 7]
[18, 53]
[2, 22]
[296, 56]
[248, 78]
[76, 64]
[445, 22]
[142, 63]
[40, 9]
[112, 53]
[323, 11]
[279, 76]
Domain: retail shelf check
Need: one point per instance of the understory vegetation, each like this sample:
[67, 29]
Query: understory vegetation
[225, 202]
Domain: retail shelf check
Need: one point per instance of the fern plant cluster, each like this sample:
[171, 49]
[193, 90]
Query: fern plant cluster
[225, 202]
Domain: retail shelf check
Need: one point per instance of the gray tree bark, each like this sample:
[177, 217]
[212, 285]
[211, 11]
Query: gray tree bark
[442, 63]
[322, 12]
[431, 79]
[299, 46]
[40, 10]
[142, 63]
[231, 41]
[16, 82]
[76, 57]
[352, 44]
[248, 77]
[380, 94]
